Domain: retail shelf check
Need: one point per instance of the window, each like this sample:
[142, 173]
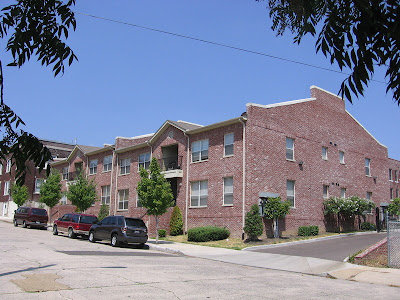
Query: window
[199, 193]
[343, 192]
[290, 192]
[8, 166]
[396, 177]
[1, 169]
[125, 166]
[38, 184]
[228, 144]
[93, 167]
[390, 175]
[391, 194]
[200, 150]
[397, 193]
[289, 149]
[63, 200]
[138, 203]
[325, 153]
[107, 163]
[341, 157]
[325, 191]
[105, 194]
[65, 173]
[369, 196]
[6, 188]
[144, 160]
[228, 191]
[367, 167]
[123, 196]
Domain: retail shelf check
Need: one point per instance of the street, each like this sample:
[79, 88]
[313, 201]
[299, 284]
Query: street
[56, 267]
[337, 248]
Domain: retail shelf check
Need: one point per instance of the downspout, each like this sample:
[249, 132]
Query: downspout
[244, 175]
[151, 150]
[112, 176]
[187, 182]
[116, 185]
[87, 165]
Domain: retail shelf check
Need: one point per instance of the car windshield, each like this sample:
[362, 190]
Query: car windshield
[134, 222]
[39, 212]
[88, 219]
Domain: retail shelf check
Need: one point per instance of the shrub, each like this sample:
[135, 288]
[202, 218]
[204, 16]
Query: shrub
[176, 222]
[207, 233]
[162, 233]
[104, 212]
[253, 225]
[308, 230]
[368, 226]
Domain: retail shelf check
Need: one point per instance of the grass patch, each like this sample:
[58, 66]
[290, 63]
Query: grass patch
[239, 244]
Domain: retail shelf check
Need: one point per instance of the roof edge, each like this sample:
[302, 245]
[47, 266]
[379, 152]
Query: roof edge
[281, 103]
[325, 91]
[217, 125]
[129, 148]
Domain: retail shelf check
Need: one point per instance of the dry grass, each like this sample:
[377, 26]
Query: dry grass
[239, 244]
[380, 261]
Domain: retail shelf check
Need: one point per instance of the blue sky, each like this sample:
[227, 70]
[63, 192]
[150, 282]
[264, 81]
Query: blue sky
[128, 81]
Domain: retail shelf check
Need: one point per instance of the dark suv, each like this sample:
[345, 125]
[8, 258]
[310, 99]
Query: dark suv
[74, 224]
[31, 217]
[119, 229]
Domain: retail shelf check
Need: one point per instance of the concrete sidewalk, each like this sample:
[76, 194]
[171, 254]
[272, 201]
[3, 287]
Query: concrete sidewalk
[305, 265]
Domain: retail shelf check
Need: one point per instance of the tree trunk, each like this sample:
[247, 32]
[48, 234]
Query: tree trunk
[156, 229]
[276, 228]
[50, 215]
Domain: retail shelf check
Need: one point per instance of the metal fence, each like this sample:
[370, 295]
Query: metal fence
[393, 243]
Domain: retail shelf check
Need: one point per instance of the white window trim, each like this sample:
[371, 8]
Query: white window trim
[6, 190]
[8, 166]
[294, 192]
[391, 175]
[345, 191]
[326, 157]
[62, 175]
[144, 161]
[233, 144]
[223, 191]
[191, 152]
[119, 200]
[199, 206]
[109, 195]
[340, 160]
[125, 166]
[286, 148]
[327, 191]
[35, 192]
[92, 168]
[369, 167]
[106, 171]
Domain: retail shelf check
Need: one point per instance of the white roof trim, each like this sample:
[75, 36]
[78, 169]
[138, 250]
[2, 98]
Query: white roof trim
[189, 123]
[366, 130]
[281, 103]
[328, 92]
[135, 137]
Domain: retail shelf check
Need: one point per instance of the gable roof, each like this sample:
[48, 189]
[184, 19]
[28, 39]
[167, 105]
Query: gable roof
[84, 149]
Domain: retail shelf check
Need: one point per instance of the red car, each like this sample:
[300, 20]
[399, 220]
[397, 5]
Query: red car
[74, 224]
[31, 217]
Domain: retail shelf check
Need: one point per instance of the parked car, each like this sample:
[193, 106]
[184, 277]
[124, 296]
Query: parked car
[74, 224]
[31, 217]
[119, 230]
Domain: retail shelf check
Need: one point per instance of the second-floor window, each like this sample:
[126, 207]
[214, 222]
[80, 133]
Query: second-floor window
[107, 163]
[289, 148]
[144, 160]
[290, 192]
[369, 196]
[125, 166]
[1, 168]
[343, 192]
[228, 144]
[65, 173]
[367, 167]
[93, 167]
[63, 200]
[390, 175]
[341, 157]
[391, 194]
[8, 166]
[200, 150]
[396, 178]
[105, 194]
[6, 188]
[38, 184]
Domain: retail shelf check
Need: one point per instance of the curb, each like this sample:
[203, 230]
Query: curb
[306, 241]
[164, 249]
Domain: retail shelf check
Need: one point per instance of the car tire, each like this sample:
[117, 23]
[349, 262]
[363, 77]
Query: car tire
[91, 237]
[71, 233]
[24, 224]
[15, 223]
[55, 231]
[114, 240]
[141, 245]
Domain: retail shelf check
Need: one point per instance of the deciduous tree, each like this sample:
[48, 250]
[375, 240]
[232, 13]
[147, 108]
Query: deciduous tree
[50, 191]
[19, 194]
[82, 193]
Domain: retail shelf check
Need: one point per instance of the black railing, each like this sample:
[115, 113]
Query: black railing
[170, 163]
[71, 176]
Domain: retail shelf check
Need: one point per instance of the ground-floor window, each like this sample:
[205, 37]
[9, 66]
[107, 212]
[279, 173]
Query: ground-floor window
[123, 196]
[199, 193]
[228, 191]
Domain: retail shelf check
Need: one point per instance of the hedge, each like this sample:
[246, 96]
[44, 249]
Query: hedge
[308, 230]
[207, 233]
[368, 226]
[162, 233]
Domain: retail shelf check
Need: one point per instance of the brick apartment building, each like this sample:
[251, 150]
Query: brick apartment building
[33, 178]
[305, 151]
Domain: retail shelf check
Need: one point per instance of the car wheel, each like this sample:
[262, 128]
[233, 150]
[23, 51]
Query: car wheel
[141, 245]
[71, 233]
[91, 237]
[114, 240]
[15, 223]
[55, 231]
[24, 224]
